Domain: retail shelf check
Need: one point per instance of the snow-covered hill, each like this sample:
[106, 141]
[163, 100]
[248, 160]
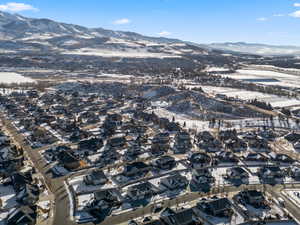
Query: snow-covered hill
[257, 49]
[18, 33]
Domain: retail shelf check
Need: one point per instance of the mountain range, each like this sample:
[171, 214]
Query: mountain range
[255, 48]
[19, 33]
[44, 43]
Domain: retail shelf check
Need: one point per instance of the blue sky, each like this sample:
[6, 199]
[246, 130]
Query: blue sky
[202, 21]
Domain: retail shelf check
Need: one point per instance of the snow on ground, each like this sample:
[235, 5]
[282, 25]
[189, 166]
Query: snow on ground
[274, 100]
[82, 200]
[125, 54]
[216, 69]
[3, 216]
[260, 76]
[293, 195]
[79, 186]
[117, 76]
[258, 122]
[10, 77]
[181, 118]
[7, 197]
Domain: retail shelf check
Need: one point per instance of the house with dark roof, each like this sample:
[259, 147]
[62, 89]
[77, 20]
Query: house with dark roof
[114, 118]
[95, 177]
[199, 160]
[226, 157]
[294, 172]
[21, 216]
[271, 174]
[237, 175]
[205, 140]
[133, 152]
[254, 158]
[28, 195]
[221, 207]
[182, 142]
[293, 137]
[180, 217]
[252, 197]
[103, 203]
[68, 160]
[280, 158]
[258, 144]
[117, 141]
[136, 168]
[19, 180]
[164, 163]
[202, 179]
[174, 182]
[236, 145]
[297, 146]
[141, 191]
[92, 144]
[159, 149]
[161, 138]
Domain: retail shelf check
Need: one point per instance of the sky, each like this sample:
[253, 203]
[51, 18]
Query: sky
[201, 21]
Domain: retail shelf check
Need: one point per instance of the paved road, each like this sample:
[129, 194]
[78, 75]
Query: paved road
[127, 216]
[55, 186]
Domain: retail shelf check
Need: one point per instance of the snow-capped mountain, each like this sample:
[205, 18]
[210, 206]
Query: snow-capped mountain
[19, 33]
[258, 49]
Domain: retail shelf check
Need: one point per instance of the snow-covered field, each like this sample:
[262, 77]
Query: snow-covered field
[260, 76]
[10, 77]
[126, 54]
[181, 118]
[274, 100]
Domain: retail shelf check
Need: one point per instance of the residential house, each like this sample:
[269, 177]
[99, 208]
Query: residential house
[92, 144]
[280, 158]
[165, 163]
[199, 160]
[95, 177]
[117, 142]
[21, 216]
[68, 160]
[221, 207]
[141, 191]
[205, 140]
[182, 142]
[226, 157]
[237, 175]
[252, 197]
[271, 174]
[202, 176]
[28, 195]
[294, 172]
[255, 158]
[174, 182]
[180, 217]
[136, 168]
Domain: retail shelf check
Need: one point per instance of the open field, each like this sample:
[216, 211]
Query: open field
[267, 77]
[274, 100]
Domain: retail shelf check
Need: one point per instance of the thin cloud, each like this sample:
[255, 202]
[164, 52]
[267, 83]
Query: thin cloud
[295, 14]
[164, 33]
[297, 4]
[122, 21]
[278, 15]
[262, 19]
[17, 7]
